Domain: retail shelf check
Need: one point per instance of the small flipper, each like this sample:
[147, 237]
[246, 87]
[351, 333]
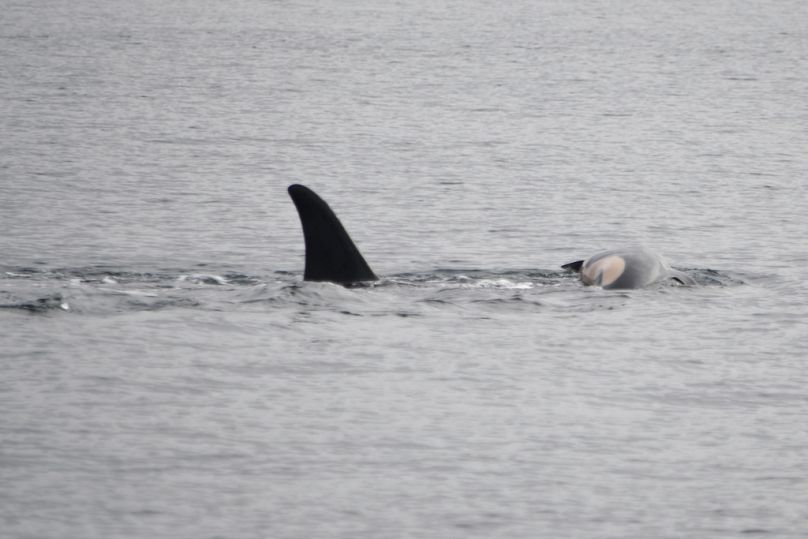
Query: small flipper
[330, 253]
[683, 278]
[574, 266]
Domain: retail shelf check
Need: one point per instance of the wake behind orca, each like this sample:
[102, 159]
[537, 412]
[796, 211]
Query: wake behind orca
[332, 256]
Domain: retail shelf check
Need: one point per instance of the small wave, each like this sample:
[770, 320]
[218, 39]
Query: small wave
[122, 292]
[90, 274]
[39, 305]
[476, 278]
[241, 279]
[21, 273]
[163, 303]
[512, 300]
[711, 277]
[13, 275]
[202, 278]
[499, 283]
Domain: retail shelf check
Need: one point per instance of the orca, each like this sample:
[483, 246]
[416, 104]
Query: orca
[330, 253]
[632, 267]
[332, 256]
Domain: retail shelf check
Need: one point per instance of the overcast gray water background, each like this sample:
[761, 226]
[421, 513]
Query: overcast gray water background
[166, 372]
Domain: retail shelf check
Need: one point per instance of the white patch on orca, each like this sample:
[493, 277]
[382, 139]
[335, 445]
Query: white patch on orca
[603, 271]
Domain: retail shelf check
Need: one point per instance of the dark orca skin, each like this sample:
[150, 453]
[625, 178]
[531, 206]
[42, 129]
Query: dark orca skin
[634, 267]
[330, 253]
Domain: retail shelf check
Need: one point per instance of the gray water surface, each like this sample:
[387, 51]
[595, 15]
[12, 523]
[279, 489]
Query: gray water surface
[167, 373]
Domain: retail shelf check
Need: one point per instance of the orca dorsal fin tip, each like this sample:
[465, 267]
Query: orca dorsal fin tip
[330, 253]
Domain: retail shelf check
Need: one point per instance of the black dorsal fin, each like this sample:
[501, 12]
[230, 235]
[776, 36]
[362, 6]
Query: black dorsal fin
[573, 266]
[330, 253]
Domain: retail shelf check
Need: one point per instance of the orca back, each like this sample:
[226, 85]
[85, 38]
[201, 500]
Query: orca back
[330, 253]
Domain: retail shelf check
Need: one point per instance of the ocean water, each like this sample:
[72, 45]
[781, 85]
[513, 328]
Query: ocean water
[167, 373]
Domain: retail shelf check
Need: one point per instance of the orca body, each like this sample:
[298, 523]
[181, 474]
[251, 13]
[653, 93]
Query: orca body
[332, 256]
[330, 253]
[634, 267]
